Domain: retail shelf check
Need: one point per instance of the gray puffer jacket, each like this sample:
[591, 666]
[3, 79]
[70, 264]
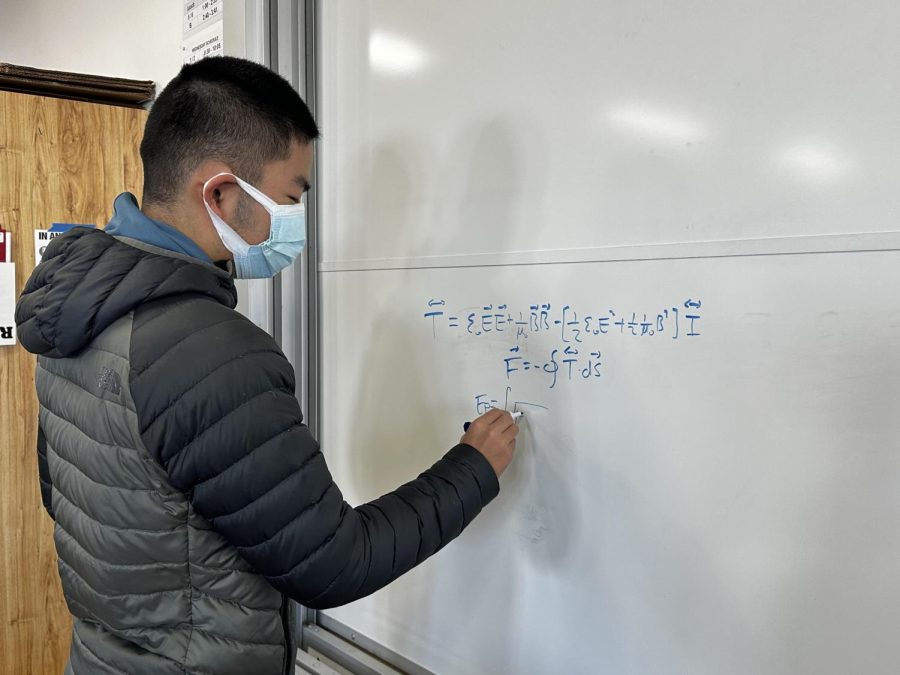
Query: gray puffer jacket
[191, 502]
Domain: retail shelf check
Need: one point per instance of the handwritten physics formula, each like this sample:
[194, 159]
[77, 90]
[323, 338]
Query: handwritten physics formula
[577, 337]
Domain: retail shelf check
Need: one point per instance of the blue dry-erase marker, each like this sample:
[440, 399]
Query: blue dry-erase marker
[515, 416]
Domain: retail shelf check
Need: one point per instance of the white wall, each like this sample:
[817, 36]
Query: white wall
[138, 39]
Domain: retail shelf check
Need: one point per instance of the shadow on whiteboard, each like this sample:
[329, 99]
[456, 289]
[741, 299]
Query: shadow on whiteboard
[538, 486]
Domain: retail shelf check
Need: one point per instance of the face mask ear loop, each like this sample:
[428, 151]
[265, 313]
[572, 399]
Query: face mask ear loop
[231, 239]
[210, 180]
[265, 201]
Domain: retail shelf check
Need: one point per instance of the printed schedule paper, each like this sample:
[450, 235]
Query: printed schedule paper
[7, 303]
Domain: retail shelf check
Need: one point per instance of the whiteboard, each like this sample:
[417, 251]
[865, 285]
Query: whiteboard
[708, 486]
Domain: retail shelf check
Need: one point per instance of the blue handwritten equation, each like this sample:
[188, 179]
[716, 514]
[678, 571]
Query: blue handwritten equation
[483, 403]
[578, 335]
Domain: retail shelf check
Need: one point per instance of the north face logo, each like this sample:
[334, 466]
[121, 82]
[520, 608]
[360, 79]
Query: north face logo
[109, 381]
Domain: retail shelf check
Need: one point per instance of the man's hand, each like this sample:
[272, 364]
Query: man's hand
[494, 436]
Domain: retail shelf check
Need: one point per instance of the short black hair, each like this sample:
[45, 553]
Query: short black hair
[222, 108]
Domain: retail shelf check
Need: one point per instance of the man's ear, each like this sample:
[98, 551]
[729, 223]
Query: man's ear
[213, 182]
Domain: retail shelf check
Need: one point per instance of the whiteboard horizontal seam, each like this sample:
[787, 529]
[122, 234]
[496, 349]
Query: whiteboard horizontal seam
[727, 248]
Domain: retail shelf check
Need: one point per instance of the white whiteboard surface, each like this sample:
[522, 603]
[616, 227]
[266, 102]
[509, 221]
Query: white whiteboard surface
[724, 502]
[474, 127]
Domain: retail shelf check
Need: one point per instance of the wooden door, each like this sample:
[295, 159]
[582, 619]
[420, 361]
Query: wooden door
[60, 161]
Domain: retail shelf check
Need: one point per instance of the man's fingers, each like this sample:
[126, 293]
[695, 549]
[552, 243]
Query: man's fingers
[494, 436]
[492, 415]
[504, 421]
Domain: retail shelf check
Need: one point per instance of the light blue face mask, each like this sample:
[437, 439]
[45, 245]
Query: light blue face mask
[287, 236]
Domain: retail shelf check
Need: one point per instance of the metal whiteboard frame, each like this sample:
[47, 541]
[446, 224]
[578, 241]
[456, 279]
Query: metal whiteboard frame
[285, 306]
[282, 34]
[259, 304]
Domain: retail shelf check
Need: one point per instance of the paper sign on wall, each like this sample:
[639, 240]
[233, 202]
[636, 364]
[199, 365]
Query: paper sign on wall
[205, 43]
[7, 303]
[43, 237]
[200, 13]
[203, 30]
[5, 246]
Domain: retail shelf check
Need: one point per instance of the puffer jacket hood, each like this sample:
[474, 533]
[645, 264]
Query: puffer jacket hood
[88, 279]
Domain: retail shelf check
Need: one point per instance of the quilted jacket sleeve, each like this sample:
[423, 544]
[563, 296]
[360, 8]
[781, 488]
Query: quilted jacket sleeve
[215, 400]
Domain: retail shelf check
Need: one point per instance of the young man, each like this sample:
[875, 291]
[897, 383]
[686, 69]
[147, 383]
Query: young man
[190, 501]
